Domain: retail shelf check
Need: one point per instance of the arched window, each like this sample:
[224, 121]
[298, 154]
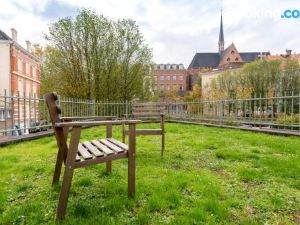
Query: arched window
[232, 52]
[228, 59]
[236, 59]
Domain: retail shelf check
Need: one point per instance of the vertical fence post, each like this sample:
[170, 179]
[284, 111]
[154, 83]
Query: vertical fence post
[126, 109]
[5, 113]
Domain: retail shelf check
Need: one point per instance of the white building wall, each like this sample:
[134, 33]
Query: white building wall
[4, 67]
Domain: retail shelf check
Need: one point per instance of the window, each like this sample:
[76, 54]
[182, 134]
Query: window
[28, 88]
[20, 86]
[177, 67]
[155, 77]
[168, 67]
[168, 86]
[2, 116]
[8, 114]
[228, 59]
[232, 52]
[180, 77]
[174, 77]
[34, 72]
[27, 69]
[155, 87]
[162, 78]
[180, 88]
[168, 77]
[19, 65]
[162, 87]
[236, 59]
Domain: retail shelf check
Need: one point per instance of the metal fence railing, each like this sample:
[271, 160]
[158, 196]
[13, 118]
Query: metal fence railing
[22, 114]
[281, 112]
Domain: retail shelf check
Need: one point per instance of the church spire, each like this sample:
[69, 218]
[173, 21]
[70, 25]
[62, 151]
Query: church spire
[221, 37]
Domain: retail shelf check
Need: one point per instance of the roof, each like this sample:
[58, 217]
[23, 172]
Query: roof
[169, 66]
[251, 56]
[4, 36]
[212, 59]
[209, 59]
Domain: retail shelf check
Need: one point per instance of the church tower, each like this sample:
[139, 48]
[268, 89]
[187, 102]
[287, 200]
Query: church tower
[221, 37]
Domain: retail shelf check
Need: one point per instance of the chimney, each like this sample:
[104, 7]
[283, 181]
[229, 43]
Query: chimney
[28, 44]
[288, 52]
[14, 34]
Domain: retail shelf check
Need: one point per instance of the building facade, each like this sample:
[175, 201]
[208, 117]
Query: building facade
[20, 76]
[170, 76]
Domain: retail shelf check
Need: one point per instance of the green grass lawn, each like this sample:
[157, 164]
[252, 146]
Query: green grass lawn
[208, 176]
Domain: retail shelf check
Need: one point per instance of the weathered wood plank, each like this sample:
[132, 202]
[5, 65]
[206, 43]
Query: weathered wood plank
[77, 157]
[118, 143]
[146, 114]
[103, 148]
[131, 160]
[91, 148]
[146, 132]
[112, 146]
[84, 163]
[83, 152]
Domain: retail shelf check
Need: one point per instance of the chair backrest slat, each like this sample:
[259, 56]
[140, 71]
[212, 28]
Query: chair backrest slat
[149, 109]
[54, 112]
[54, 109]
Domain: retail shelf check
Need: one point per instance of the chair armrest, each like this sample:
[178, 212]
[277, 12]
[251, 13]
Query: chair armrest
[96, 118]
[96, 123]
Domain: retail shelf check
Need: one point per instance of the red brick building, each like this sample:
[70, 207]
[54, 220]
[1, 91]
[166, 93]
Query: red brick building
[19, 75]
[170, 76]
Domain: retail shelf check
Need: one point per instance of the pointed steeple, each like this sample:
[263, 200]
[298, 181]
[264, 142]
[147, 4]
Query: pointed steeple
[221, 37]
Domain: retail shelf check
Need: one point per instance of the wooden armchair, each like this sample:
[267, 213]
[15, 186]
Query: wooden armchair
[152, 112]
[76, 155]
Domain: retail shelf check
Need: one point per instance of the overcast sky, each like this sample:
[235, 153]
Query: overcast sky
[174, 29]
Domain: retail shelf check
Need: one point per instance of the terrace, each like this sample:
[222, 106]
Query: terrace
[207, 176]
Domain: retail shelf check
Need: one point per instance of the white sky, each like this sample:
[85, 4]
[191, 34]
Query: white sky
[174, 29]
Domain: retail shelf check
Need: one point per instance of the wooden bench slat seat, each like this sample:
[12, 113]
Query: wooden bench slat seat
[92, 149]
[77, 157]
[112, 146]
[84, 152]
[118, 143]
[103, 148]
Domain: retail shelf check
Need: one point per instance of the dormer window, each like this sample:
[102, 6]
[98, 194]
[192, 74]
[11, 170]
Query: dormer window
[228, 59]
[236, 59]
[232, 52]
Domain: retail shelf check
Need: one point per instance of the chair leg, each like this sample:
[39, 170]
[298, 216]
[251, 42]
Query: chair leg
[131, 160]
[108, 166]
[68, 174]
[123, 133]
[64, 192]
[131, 176]
[57, 171]
[162, 144]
